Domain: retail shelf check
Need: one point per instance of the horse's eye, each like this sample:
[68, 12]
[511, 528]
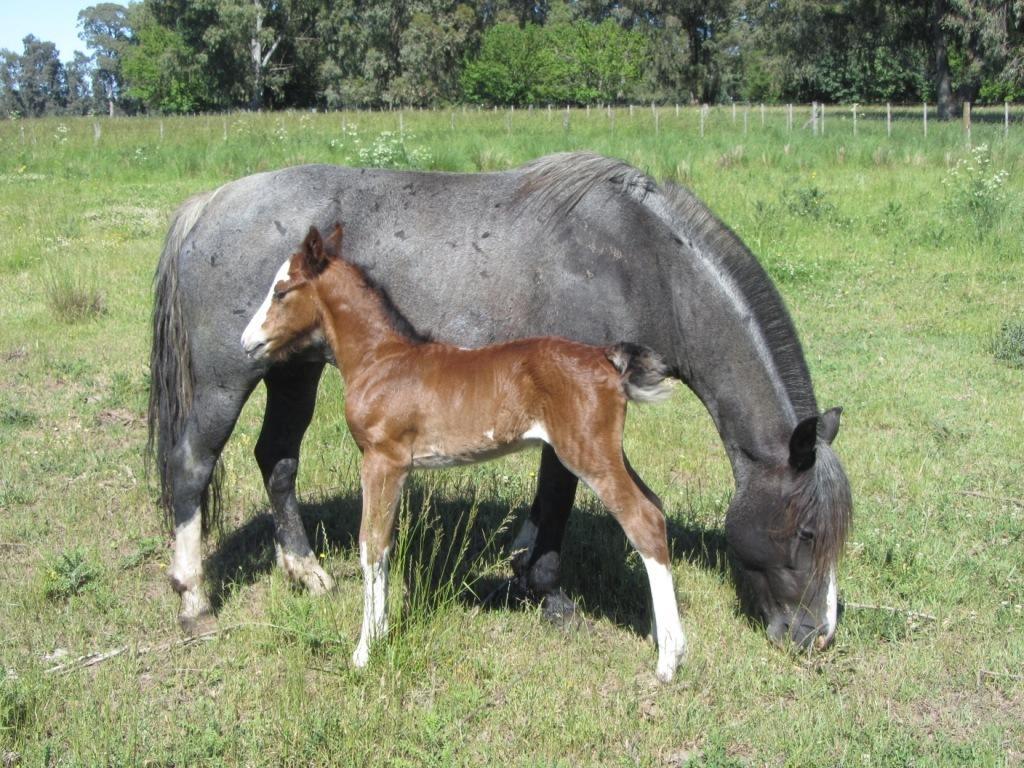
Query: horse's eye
[278, 295]
[805, 534]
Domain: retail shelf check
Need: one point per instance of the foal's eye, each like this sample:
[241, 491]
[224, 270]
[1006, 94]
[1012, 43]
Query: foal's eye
[805, 534]
[278, 295]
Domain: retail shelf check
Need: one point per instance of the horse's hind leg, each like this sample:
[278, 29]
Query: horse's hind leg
[191, 461]
[539, 541]
[291, 397]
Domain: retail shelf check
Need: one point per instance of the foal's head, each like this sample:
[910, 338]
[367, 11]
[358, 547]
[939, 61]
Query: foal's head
[290, 316]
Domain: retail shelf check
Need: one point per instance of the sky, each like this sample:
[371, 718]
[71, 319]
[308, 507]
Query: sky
[53, 20]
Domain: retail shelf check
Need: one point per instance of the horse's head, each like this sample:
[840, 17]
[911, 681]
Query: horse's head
[289, 318]
[787, 526]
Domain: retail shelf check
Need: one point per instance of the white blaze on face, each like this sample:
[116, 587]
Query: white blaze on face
[253, 336]
[831, 606]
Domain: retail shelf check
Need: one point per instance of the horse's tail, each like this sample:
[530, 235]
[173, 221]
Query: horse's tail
[644, 373]
[170, 364]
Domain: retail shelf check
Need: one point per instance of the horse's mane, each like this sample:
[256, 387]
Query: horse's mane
[553, 186]
[823, 495]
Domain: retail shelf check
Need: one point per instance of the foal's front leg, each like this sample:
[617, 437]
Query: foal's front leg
[382, 480]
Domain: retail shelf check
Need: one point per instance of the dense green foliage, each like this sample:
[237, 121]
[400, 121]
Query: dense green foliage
[199, 55]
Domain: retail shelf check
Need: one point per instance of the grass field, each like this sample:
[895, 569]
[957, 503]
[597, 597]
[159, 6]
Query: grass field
[902, 261]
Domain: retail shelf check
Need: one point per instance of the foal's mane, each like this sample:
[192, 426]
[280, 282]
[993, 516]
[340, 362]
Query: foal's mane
[398, 322]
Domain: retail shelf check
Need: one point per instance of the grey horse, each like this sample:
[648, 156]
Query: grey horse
[573, 245]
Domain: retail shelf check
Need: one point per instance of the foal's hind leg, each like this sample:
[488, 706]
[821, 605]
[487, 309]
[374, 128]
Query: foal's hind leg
[291, 396]
[638, 511]
[191, 463]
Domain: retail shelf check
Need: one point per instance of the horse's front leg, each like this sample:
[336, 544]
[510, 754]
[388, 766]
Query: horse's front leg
[537, 547]
[382, 480]
[291, 397]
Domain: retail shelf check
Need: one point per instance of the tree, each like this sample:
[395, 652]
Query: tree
[33, 82]
[106, 29]
[578, 63]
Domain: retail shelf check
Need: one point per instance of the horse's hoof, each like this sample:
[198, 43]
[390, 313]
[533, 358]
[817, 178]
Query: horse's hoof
[199, 624]
[561, 610]
[305, 570]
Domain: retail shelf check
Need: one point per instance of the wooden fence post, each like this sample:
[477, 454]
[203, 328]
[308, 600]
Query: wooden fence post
[888, 120]
[702, 121]
[924, 111]
[967, 122]
[746, 118]
[823, 118]
[762, 114]
[855, 119]
[814, 118]
[1006, 119]
[789, 118]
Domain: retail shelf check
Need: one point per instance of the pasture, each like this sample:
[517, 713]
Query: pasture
[902, 261]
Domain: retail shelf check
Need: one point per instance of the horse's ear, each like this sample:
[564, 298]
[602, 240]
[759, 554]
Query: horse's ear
[828, 424]
[332, 245]
[802, 443]
[313, 257]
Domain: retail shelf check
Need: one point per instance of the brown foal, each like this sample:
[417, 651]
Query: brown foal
[412, 404]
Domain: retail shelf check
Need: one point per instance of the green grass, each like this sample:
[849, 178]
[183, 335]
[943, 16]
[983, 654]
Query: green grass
[904, 289]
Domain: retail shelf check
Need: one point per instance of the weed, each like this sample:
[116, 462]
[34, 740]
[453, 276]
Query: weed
[67, 575]
[1008, 344]
[975, 189]
[808, 203]
[73, 296]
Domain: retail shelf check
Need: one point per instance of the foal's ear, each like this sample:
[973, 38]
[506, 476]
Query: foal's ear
[314, 259]
[332, 245]
[828, 425]
[801, 444]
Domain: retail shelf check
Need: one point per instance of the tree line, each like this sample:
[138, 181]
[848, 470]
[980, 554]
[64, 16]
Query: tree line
[181, 56]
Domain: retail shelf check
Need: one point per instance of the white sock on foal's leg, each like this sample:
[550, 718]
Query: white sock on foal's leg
[668, 629]
[375, 603]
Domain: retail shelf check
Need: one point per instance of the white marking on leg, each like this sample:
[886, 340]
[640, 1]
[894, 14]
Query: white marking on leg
[537, 432]
[668, 629]
[375, 604]
[187, 564]
[489, 434]
[253, 334]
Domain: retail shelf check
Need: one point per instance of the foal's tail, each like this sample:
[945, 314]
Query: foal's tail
[644, 373]
[170, 363]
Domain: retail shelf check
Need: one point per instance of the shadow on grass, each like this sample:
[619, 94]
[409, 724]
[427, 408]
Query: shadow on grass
[600, 570]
